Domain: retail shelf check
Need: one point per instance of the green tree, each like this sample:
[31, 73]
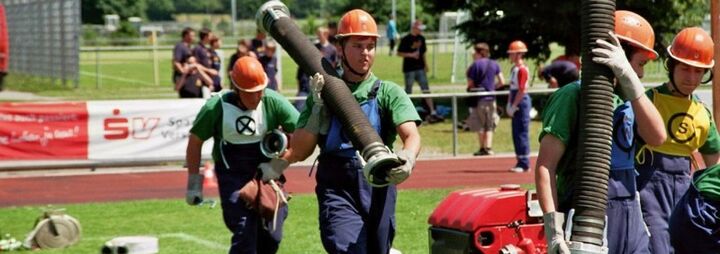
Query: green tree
[160, 9]
[93, 10]
[499, 22]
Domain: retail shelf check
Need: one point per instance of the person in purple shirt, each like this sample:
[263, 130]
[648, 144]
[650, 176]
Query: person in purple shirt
[181, 53]
[481, 77]
[328, 51]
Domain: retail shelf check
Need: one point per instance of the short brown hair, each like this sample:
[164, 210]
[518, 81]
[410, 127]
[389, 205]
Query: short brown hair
[482, 48]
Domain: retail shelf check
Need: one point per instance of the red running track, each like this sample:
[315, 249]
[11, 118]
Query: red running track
[103, 187]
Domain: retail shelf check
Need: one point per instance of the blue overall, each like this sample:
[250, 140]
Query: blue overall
[354, 217]
[695, 223]
[520, 128]
[250, 233]
[626, 230]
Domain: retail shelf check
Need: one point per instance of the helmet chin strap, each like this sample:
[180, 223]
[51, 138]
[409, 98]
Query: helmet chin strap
[675, 89]
[350, 68]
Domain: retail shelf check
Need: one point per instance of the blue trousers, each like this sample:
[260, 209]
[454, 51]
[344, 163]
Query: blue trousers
[662, 182]
[354, 217]
[520, 129]
[695, 224]
[626, 230]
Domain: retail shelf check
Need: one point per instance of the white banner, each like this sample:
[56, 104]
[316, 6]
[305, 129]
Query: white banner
[141, 129]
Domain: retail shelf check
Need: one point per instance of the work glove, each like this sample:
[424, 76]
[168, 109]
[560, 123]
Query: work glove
[553, 223]
[318, 121]
[613, 56]
[399, 174]
[510, 109]
[273, 169]
[194, 193]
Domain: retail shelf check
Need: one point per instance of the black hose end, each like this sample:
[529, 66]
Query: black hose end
[269, 12]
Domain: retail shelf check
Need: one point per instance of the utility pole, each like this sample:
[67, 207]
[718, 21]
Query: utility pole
[715, 32]
[233, 10]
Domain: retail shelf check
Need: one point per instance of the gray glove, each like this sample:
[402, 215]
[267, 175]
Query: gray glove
[401, 173]
[194, 193]
[318, 122]
[614, 57]
[553, 222]
[273, 169]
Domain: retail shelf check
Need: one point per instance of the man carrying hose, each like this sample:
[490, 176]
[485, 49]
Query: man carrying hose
[633, 115]
[354, 216]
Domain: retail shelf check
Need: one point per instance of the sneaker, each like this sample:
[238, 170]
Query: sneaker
[518, 170]
[480, 152]
[433, 119]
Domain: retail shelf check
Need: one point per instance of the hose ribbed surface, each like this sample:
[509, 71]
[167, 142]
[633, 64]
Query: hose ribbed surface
[335, 93]
[596, 112]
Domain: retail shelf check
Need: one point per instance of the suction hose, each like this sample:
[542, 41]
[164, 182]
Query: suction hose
[596, 117]
[274, 17]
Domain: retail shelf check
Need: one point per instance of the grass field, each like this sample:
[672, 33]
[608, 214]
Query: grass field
[184, 229]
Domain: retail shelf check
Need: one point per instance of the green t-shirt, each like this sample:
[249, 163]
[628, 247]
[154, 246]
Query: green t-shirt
[277, 111]
[394, 104]
[560, 119]
[708, 183]
[712, 143]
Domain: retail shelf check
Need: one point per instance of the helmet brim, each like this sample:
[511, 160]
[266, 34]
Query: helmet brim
[691, 62]
[652, 54]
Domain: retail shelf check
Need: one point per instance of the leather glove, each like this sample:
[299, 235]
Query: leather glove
[401, 173]
[614, 57]
[510, 109]
[194, 193]
[318, 121]
[553, 224]
[273, 169]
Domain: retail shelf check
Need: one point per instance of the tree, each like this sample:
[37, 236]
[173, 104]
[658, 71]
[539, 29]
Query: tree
[160, 9]
[93, 10]
[538, 23]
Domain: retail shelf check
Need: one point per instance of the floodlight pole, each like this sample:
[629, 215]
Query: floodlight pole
[233, 7]
[394, 10]
[412, 13]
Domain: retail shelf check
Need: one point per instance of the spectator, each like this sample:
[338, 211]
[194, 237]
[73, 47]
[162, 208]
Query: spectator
[181, 53]
[202, 54]
[191, 82]
[392, 33]
[216, 58]
[257, 44]
[269, 63]
[559, 73]
[329, 53]
[412, 49]
[570, 55]
[482, 76]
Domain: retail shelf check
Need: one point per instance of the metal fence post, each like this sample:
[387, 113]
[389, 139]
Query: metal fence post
[98, 79]
[454, 125]
[434, 70]
[156, 65]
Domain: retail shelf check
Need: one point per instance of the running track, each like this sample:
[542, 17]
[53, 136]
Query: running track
[104, 187]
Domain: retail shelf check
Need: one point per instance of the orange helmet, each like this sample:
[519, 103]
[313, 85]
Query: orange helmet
[634, 29]
[517, 47]
[357, 22]
[694, 47]
[248, 75]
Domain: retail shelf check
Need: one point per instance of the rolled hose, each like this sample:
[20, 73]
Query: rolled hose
[596, 112]
[274, 18]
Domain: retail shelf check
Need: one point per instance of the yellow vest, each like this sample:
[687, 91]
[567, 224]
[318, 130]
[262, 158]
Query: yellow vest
[687, 123]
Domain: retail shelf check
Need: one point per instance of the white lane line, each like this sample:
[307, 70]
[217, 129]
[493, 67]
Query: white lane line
[180, 235]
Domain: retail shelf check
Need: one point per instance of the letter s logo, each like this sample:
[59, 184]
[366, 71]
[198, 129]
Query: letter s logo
[116, 128]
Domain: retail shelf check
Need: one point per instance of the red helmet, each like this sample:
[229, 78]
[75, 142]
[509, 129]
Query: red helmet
[248, 75]
[517, 47]
[694, 47]
[357, 22]
[635, 30]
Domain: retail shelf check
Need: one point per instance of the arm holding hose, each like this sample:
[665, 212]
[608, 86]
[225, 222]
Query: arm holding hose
[411, 147]
[551, 150]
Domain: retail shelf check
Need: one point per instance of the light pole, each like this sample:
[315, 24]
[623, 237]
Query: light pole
[233, 10]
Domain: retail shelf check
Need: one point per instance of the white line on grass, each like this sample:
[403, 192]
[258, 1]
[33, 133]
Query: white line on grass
[180, 235]
[127, 80]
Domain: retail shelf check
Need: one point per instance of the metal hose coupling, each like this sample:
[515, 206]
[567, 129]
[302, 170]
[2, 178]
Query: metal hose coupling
[274, 144]
[269, 12]
[379, 161]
